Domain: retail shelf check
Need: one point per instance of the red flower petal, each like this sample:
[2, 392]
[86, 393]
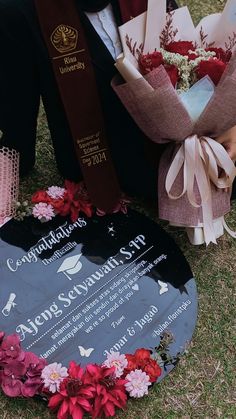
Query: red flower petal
[75, 370]
[77, 412]
[180, 47]
[84, 403]
[213, 68]
[11, 387]
[221, 54]
[109, 409]
[55, 401]
[94, 371]
[63, 411]
[31, 387]
[142, 354]
[148, 62]
[173, 73]
[40, 196]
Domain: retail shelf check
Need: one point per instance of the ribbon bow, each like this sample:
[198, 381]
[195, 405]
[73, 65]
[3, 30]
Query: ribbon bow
[201, 159]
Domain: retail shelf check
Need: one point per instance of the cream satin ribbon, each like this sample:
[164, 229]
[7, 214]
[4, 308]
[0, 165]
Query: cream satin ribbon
[201, 159]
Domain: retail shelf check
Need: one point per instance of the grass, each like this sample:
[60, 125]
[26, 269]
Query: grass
[204, 383]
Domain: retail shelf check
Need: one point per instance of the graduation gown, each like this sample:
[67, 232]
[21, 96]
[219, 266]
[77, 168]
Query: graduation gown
[26, 74]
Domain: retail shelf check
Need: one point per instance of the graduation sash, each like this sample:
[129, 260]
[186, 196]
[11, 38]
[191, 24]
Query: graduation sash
[70, 58]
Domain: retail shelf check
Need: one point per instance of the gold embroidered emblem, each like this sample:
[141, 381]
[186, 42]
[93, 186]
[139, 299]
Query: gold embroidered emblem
[64, 38]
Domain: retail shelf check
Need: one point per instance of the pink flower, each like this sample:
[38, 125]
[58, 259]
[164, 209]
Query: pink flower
[44, 212]
[53, 375]
[34, 364]
[117, 360]
[33, 383]
[15, 368]
[56, 192]
[122, 206]
[10, 378]
[137, 383]
[31, 387]
[20, 373]
[11, 349]
[11, 386]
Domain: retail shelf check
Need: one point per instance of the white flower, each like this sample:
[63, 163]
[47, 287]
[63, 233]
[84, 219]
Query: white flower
[117, 360]
[185, 66]
[138, 383]
[52, 376]
[56, 192]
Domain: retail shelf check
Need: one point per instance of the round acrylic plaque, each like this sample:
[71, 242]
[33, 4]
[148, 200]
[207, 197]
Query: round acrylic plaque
[76, 291]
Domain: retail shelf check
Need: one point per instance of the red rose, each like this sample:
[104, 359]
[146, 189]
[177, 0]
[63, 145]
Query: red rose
[142, 355]
[57, 204]
[142, 360]
[132, 363]
[173, 73]
[148, 62]
[221, 54]
[40, 196]
[147, 364]
[213, 68]
[153, 370]
[180, 47]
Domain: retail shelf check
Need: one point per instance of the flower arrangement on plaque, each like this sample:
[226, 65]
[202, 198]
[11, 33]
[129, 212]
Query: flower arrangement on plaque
[71, 200]
[179, 87]
[98, 390]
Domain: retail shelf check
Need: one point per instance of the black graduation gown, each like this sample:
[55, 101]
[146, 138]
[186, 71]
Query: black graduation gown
[26, 74]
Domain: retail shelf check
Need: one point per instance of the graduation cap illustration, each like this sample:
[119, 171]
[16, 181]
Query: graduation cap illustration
[70, 266]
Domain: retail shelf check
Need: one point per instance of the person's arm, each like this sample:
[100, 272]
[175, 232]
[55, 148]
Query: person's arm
[228, 140]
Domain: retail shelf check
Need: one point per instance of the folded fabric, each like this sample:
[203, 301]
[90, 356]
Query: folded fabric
[197, 97]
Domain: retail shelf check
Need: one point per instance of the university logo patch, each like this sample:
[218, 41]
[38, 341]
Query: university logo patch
[64, 38]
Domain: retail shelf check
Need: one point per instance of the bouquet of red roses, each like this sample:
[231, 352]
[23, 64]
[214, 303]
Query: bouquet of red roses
[180, 88]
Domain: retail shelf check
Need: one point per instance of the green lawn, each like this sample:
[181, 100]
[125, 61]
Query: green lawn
[204, 383]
